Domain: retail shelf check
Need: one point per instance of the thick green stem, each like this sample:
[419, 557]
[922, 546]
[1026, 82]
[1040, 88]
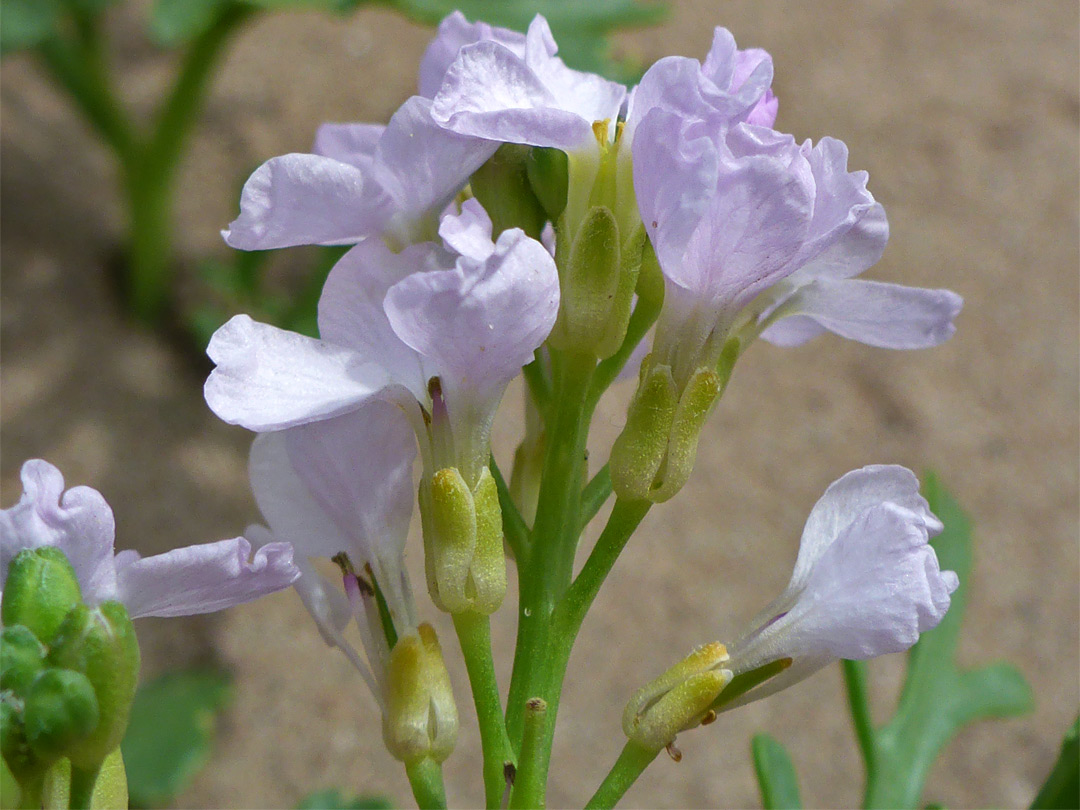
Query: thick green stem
[529, 788]
[82, 787]
[426, 780]
[474, 634]
[546, 574]
[631, 763]
[855, 681]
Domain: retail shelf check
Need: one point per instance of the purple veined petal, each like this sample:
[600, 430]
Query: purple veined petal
[672, 84]
[269, 379]
[846, 499]
[358, 467]
[300, 199]
[888, 316]
[287, 505]
[351, 311]
[429, 164]
[755, 223]
[350, 143]
[455, 32]
[468, 233]
[674, 179]
[203, 578]
[489, 92]
[856, 250]
[479, 324]
[79, 522]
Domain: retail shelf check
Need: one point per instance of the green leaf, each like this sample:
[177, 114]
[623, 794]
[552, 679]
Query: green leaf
[1062, 786]
[173, 22]
[170, 733]
[938, 699]
[332, 799]
[775, 774]
[579, 28]
[26, 23]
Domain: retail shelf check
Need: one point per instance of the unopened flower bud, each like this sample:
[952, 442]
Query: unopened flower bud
[22, 657]
[41, 587]
[502, 186]
[597, 279]
[60, 712]
[420, 716]
[547, 172]
[678, 700]
[463, 542]
[100, 642]
[18, 757]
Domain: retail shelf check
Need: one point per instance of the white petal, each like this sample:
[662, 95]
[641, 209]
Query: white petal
[203, 578]
[267, 378]
[300, 199]
[889, 316]
[79, 522]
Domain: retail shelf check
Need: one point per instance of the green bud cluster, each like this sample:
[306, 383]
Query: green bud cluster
[67, 671]
[463, 542]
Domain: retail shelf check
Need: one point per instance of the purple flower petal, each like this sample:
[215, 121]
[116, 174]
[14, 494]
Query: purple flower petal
[300, 199]
[269, 379]
[202, 579]
[350, 143]
[78, 522]
[455, 32]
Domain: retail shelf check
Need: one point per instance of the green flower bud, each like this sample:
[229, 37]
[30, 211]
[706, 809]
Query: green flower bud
[420, 716]
[678, 700]
[100, 642]
[60, 711]
[502, 186]
[548, 176]
[597, 280]
[18, 757]
[41, 587]
[463, 542]
[22, 657]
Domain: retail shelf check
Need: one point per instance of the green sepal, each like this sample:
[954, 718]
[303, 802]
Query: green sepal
[109, 791]
[22, 657]
[60, 711]
[547, 171]
[639, 451]
[100, 642]
[24, 765]
[41, 587]
[420, 716]
[696, 403]
[463, 543]
[502, 186]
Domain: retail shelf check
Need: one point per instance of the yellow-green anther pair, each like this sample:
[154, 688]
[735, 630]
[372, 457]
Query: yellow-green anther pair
[463, 542]
[678, 700]
[420, 716]
[598, 272]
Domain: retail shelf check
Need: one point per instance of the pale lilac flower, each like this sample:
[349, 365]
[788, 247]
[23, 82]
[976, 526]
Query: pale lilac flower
[455, 32]
[363, 180]
[866, 581]
[343, 486]
[181, 582]
[438, 330]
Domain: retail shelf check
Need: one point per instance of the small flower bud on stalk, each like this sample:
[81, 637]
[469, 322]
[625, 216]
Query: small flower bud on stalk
[463, 544]
[502, 186]
[60, 712]
[19, 758]
[100, 643]
[41, 587]
[420, 717]
[21, 658]
[678, 700]
[547, 172]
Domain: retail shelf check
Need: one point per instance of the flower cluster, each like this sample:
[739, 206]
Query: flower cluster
[674, 202]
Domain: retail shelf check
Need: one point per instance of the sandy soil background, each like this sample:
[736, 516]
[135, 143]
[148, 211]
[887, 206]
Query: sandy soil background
[965, 115]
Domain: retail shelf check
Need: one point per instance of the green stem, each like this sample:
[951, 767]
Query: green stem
[595, 495]
[426, 780]
[151, 173]
[30, 792]
[474, 634]
[855, 681]
[82, 787]
[547, 571]
[530, 783]
[633, 760]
